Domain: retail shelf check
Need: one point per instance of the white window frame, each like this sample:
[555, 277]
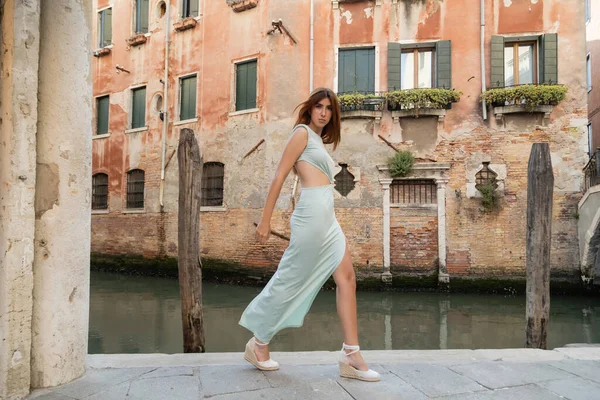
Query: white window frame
[181, 17]
[98, 27]
[351, 47]
[232, 109]
[588, 71]
[178, 120]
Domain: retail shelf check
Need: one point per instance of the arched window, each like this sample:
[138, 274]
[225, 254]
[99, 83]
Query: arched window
[213, 174]
[100, 191]
[135, 189]
[344, 181]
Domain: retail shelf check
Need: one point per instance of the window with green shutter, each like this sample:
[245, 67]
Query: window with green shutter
[187, 98]
[105, 27]
[420, 65]
[245, 85]
[102, 105]
[138, 109]
[356, 70]
[524, 60]
[142, 9]
[190, 8]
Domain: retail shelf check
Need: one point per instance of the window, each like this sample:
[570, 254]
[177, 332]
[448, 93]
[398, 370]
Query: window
[356, 70]
[588, 11]
[588, 64]
[413, 191]
[102, 104]
[138, 108]
[142, 11]
[212, 184]
[99, 192]
[187, 97]
[344, 181]
[135, 189]
[245, 85]
[422, 75]
[189, 8]
[524, 60]
[105, 27]
[420, 65]
[519, 64]
[485, 176]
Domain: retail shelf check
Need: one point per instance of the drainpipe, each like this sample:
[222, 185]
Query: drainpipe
[165, 107]
[483, 88]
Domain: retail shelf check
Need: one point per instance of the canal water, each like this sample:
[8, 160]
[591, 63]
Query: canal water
[142, 315]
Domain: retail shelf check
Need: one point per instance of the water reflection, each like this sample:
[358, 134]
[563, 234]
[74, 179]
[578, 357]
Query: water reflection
[143, 315]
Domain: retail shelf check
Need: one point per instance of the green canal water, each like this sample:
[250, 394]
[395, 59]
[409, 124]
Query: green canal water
[142, 315]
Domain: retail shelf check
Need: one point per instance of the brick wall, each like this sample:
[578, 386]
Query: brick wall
[413, 239]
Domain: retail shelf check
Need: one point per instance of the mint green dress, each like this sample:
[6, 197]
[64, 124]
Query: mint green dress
[317, 246]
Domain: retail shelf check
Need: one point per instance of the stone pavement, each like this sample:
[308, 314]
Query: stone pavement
[571, 372]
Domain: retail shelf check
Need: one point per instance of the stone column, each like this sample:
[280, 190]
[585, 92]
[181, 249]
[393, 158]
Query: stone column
[19, 49]
[443, 276]
[62, 201]
[386, 276]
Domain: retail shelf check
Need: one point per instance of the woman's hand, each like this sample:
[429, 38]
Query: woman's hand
[263, 230]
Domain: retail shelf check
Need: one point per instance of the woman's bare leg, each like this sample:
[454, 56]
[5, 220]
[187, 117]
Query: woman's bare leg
[345, 294]
[262, 352]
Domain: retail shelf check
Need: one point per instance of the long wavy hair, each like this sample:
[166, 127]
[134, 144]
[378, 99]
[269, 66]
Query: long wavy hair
[331, 132]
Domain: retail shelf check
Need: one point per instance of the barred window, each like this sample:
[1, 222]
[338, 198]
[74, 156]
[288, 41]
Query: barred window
[413, 191]
[485, 176]
[344, 181]
[99, 192]
[213, 174]
[135, 189]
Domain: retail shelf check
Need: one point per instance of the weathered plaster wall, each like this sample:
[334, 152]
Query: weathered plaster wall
[478, 242]
[18, 119]
[62, 203]
[593, 47]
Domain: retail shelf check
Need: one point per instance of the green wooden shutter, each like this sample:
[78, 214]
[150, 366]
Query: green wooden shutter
[102, 115]
[549, 58]
[107, 27]
[394, 62]
[365, 70]
[346, 71]
[241, 78]
[251, 86]
[138, 119]
[194, 6]
[188, 98]
[143, 16]
[497, 61]
[443, 56]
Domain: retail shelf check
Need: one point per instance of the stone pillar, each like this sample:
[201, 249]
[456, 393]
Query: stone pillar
[444, 307]
[386, 276]
[443, 276]
[62, 201]
[19, 49]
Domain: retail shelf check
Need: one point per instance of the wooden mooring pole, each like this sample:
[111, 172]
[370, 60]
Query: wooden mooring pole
[189, 264]
[540, 185]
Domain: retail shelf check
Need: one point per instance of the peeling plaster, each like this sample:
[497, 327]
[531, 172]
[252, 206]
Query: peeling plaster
[369, 12]
[507, 3]
[46, 194]
[348, 15]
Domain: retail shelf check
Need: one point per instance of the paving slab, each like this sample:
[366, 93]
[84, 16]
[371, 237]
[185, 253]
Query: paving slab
[390, 387]
[221, 379]
[573, 388]
[583, 368]
[580, 353]
[526, 392]
[118, 392]
[168, 387]
[301, 392]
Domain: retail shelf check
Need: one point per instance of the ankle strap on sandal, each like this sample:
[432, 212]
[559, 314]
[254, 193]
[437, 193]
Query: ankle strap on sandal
[355, 349]
[260, 344]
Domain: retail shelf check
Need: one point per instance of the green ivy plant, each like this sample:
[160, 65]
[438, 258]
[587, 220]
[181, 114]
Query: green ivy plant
[530, 96]
[401, 163]
[416, 99]
[355, 99]
[489, 197]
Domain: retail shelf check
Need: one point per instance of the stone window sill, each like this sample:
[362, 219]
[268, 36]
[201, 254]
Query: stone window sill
[185, 24]
[414, 206]
[242, 5]
[499, 112]
[134, 211]
[103, 136]
[99, 212]
[362, 114]
[137, 39]
[136, 130]
[185, 121]
[104, 51]
[423, 112]
[242, 112]
[213, 209]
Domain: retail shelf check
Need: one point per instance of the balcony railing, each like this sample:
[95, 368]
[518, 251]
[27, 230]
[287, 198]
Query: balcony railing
[357, 101]
[590, 171]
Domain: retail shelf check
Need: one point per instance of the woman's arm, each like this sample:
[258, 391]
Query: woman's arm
[294, 148]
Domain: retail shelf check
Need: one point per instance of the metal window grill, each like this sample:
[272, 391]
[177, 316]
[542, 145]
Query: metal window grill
[212, 184]
[413, 191]
[99, 192]
[344, 181]
[135, 189]
[485, 176]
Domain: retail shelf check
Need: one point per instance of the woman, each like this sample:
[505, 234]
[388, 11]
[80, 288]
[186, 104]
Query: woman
[317, 246]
